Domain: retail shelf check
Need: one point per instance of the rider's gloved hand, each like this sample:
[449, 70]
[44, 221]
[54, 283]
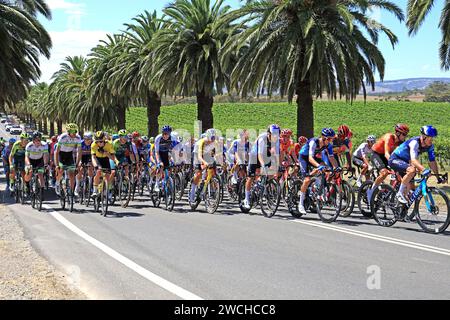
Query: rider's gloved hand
[321, 168]
[426, 172]
[440, 180]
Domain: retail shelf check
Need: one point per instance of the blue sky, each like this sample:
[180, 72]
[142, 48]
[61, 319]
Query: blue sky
[78, 25]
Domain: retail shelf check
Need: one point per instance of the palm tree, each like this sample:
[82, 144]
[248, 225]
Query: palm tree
[186, 53]
[416, 14]
[130, 77]
[104, 97]
[22, 40]
[305, 48]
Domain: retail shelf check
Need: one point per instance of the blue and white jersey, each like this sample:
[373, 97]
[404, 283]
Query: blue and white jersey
[85, 149]
[165, 146]
[240, 147]
[411, 149]
[263, 146]
[311, 148]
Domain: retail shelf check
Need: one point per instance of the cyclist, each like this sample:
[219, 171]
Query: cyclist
[164, 143]
[342, 144]
[86, 159]
[124, 151]
[310, 164]
[405, 159]
[51, 150]
[382, 151]
[102, 151]
[301, 141]
[239, 151]
[361, 158]
[5, 157]
[67, 148]
[36, 158]
[266, 146]
[206, 153]
[17, 158]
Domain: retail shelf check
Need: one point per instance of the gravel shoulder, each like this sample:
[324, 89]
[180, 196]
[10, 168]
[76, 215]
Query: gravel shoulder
[24, 274]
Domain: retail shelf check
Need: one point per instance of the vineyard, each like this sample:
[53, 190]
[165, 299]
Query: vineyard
[364, 119]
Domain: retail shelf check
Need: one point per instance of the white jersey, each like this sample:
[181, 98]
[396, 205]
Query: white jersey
[69, 144]
[362, 151]
[36, 152]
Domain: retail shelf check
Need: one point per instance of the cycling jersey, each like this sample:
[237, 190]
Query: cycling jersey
[122, 150]
[362, 151]
[99, 152]
[311, 148]
[388, 140]
[207, 151]
[410, 150]
[18, 152]
[68, 144]
[85, 149]
[263, 146]
[144, 151]
[36, 152]
[165, 146]
[241, 148]
[340, 146]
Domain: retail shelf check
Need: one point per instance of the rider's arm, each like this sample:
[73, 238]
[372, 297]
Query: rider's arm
[157, 140]
[11, 155]
[56, 157]
[386, 148]
[414, 154]
[79, 152]
[312, 150]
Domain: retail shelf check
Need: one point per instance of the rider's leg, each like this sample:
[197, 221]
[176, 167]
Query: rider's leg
[97, 181]
[195, 183]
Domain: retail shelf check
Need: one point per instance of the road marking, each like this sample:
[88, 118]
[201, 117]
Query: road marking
[161, 282]
[372, 236]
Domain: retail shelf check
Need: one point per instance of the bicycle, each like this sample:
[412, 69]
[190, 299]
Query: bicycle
[86, 186]
[19, 187]
[123, 186]
[102, 197]
[66, 194]
[167, 191]
[387, 210]
[265, 192]
[36, 193]
[348, 195]
[208, 190]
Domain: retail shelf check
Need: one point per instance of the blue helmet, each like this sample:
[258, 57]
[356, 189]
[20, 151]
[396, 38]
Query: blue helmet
[274, 128]
[167, 129]
[429, 131]
[115, 136]
[12, 140]
[328, 132]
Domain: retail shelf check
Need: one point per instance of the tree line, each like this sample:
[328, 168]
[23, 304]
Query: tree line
[299, 49]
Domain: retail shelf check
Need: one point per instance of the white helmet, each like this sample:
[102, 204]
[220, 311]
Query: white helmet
[371, 138]
[210, 134]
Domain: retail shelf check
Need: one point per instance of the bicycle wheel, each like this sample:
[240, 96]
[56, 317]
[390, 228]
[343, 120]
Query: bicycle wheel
[169, 194]
[33, 192]
[270, 198]
[348, 199]
[87, 191]
[293, 198]
[104, 198]
[363, 202]
[241, 198]
[330, 204]
[433, 211]
[62, 196]
[124, 190]
[197, 201]
[384, 206]
[16, 192]
[71, 199]
[40, 198]
[232, 189]
[212, 195]
[22, 192]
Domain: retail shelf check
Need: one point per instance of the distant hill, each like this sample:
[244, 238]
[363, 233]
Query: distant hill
[403, 85]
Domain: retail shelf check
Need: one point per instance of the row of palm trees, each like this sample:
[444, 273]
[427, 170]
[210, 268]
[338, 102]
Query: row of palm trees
[297, 48]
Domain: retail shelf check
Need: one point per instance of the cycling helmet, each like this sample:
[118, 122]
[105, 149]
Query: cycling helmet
[402, 128]
[151, 140]
[12, 140]
[122, 133]
[136, 135]
[273, 128]
[129, 136]
[71, 127]
[371, 138]
[115, 137]
[302, 140]
[328, 132]
[344, 131]
[167, 129]
[180, 139]
[24, 136]
[36, 135]
[99, 136]
[286, 132]
[144, 139]
[88, 135]
[429, 131]
[54, 139]
[175, 135]
[211, 134]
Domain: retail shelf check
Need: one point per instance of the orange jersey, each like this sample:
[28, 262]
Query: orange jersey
[388, 140]
[286, 146]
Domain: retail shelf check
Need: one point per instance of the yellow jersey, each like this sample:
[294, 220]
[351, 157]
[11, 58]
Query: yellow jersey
[99, 152]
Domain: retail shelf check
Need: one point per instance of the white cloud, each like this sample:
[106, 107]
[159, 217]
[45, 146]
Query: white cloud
[69, 43]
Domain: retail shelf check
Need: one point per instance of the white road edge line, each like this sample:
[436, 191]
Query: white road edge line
[396, 241]
[161, 282]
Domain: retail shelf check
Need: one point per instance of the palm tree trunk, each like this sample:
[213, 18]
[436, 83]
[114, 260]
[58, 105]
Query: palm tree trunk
[204, 110]
[59, 126]
[52, 128]
[305, 110]
[153, 112]
[40, 125]
[45, 126]
[121, 116]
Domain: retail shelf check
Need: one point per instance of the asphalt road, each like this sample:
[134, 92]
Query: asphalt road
[146, 253]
